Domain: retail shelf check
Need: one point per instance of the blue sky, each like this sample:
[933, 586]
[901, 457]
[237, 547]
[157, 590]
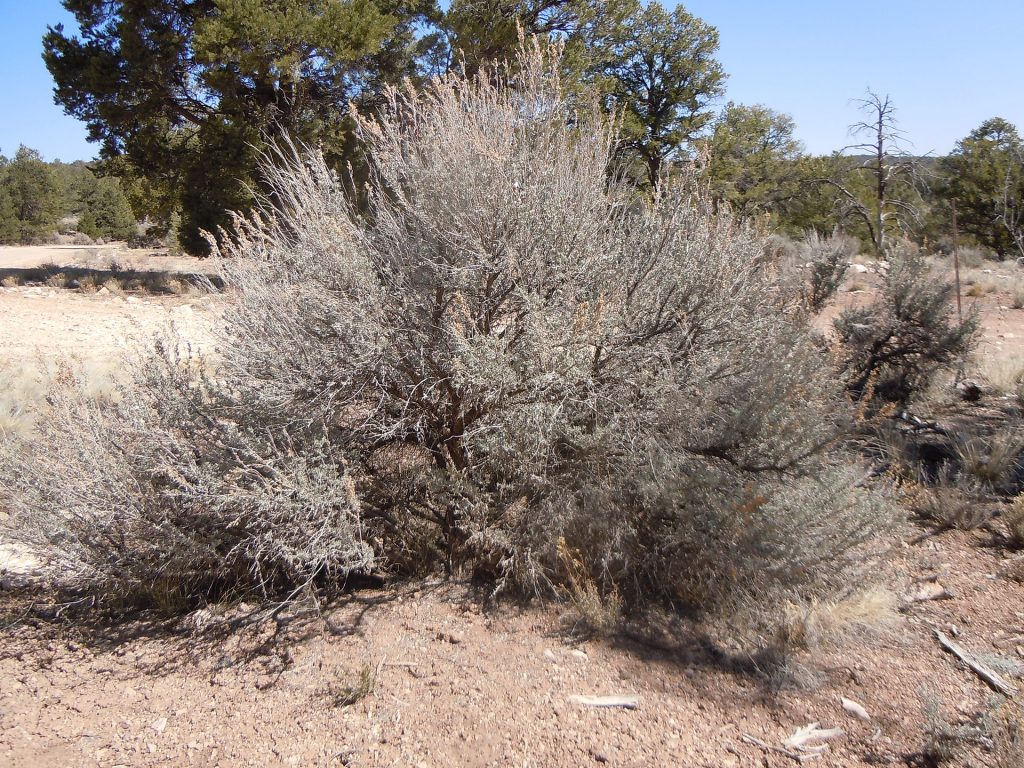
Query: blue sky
[947, 66]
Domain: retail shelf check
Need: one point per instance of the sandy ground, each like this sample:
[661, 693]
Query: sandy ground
[97, 257]
[458, 681]
[459, 684]
[48, 321]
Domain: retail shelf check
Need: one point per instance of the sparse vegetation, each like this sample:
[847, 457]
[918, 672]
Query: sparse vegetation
[1013, 517]
[621, 373]
[989, 459]
[517, 371]
[893, 347]
[828, 259]
[350, 688]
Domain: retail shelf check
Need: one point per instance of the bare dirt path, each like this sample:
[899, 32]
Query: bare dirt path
[457, 684]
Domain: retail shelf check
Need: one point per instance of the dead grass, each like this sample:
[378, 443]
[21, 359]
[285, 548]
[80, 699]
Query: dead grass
[827, 623]
[989, 459]
[1013, 517]
[24, 389]
[598, 612]
[950, 504]
[1003, 371]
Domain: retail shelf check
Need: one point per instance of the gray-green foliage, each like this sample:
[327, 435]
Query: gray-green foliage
[827, 260]
[893, 347]
[508, 351]
[552, 356]
[167, 488]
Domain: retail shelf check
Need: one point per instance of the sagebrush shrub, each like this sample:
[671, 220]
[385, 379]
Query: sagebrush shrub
[892, 348]
[511, 352]
[828, 260]
[168, 487]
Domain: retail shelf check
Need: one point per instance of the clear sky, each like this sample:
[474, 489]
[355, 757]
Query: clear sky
[947, 64]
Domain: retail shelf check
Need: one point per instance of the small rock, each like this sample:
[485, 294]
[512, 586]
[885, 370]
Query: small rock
[159, 725]
[929, 591]
[579, 654]
[860, 269]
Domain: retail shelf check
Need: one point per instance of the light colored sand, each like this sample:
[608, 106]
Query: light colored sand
[98, 257]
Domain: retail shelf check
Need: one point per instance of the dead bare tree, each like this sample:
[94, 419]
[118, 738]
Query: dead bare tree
[1010, 211]
[886, 163]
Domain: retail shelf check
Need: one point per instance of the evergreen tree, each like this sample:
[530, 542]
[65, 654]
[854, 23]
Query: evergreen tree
[985, 176]
[183, 94]
[32, 196]
[660, 70]
[107, 213]
[751, 158]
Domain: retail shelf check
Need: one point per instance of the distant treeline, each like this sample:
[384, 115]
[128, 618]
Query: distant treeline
[40, 200]
[183, 98]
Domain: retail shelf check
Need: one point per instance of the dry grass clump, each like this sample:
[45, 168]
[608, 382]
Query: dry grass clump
[20, 395]
[989, 459]
[598, 610]
[975, 258]
[1008, 736]
[1017, 295]
[349, 688]
[821, 623]
[952, 508]
[1013, 517]
[1002, 369]
[571, 365]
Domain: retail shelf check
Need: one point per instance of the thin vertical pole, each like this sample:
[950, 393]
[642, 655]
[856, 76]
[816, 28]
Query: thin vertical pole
[956, 264]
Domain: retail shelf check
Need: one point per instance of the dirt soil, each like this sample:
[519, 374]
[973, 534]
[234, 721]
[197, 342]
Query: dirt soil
[458, 683]
[97, 257]
[434, 674]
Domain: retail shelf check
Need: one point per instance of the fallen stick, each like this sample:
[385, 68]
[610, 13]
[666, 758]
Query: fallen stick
[992, 678]
[626, 702]
[772, 748]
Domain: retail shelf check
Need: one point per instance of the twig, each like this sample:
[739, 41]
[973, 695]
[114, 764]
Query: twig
[993, 679]
[626, 702]
[772, 748]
